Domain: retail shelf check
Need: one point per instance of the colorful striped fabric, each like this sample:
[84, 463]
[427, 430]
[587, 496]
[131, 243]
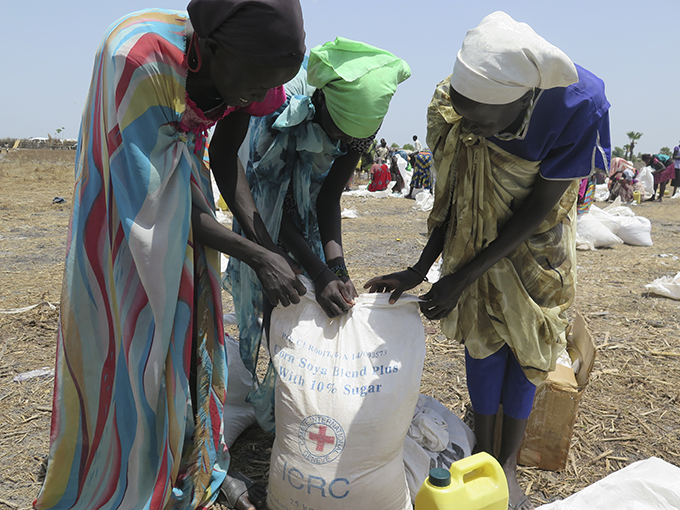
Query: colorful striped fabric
[138, 293]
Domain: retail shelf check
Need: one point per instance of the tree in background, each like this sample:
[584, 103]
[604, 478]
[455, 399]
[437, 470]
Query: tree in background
[395, 145]
[618, 152]
[634, 136]
[408, 147]
[666, 150]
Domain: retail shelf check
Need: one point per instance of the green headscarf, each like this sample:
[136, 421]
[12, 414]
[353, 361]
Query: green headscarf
[358, 81]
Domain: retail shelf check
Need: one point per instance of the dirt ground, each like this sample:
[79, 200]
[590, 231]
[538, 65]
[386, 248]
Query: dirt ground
[629, 411]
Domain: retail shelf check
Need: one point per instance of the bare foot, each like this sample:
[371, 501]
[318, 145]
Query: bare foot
[518, 500]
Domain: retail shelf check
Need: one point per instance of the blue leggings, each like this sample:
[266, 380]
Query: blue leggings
[499, 379]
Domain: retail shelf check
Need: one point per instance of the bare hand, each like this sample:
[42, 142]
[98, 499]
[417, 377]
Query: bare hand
[443, 296]
[279, 282]
[350, 287]
[397, 283]
[335, 296]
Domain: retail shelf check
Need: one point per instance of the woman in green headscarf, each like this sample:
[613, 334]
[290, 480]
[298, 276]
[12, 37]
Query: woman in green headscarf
[300, 159]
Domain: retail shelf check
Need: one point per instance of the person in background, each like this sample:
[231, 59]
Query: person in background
[382, 150]
[300, 158]
[513, 130]
[422, 172]
[395, 174]
[621, 183]
[417, 146]
[141, 369]
[676, 163]
[663, 170]
[381, 178]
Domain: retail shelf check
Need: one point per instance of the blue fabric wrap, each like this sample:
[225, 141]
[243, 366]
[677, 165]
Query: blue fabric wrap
[284, 146]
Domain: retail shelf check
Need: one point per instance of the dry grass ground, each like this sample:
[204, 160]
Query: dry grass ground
[629, 412]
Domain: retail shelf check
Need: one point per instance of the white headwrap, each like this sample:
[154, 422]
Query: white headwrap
[502, 59]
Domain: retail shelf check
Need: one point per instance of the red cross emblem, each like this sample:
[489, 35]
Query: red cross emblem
[321, 438]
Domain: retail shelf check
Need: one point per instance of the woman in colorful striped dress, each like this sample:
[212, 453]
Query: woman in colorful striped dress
[141, 362]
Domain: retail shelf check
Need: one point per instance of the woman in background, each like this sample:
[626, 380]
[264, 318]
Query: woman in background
[663, 170]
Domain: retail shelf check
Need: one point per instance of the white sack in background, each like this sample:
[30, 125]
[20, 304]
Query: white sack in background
[590, 230]
[650, 484]
[601, 192]
[424, 201]
[608, 220]
[667, 286]
[405, 174]
[646, 177]
[632, 229]
[636, 231]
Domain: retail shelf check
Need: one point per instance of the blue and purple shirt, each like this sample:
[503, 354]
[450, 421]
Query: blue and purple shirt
[568, 131]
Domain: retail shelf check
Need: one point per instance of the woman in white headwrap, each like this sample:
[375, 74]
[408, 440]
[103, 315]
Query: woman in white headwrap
[513, 130]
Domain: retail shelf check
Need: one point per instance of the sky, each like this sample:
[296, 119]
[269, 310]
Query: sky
[49, 49]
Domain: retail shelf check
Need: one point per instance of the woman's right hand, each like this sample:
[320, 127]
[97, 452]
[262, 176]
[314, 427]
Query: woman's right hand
[333, 295]
[278, 279]
[397, 283]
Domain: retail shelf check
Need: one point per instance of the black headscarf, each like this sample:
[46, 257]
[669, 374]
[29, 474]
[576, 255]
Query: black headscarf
[262, 31]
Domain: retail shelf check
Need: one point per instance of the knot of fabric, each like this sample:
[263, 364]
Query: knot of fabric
[472, 140]
[299, 109]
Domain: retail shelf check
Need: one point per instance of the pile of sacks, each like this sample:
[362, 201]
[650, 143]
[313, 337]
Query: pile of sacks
[616, 224]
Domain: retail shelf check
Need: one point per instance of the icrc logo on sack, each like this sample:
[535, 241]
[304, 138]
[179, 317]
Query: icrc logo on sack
[321, 439]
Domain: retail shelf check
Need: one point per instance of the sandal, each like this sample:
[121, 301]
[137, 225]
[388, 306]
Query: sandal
[236, 485]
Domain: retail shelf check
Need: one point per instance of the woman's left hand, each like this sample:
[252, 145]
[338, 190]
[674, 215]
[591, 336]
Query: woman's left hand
[443, 296]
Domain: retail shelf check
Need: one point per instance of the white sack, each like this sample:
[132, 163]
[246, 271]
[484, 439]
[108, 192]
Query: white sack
[650, 484]
[583, 244]
[364, 193]
[238, 414]
[345, 396]
[349, 213]
[667, 286]
[424, 201]
[435, 271]
[429, 416]
[646, 177]
[636, 231]
[405, 174]
[601, 192]
[617, 209]
[590, 229]
[608, 220]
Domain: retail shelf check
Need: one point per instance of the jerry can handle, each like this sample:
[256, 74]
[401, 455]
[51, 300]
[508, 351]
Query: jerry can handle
[479, 460]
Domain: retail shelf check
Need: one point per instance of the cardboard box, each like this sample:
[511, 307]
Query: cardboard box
[551, 424]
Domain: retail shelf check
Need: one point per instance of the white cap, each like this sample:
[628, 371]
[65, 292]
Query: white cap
[502, 59]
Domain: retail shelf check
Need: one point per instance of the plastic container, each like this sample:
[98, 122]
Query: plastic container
[472, 483]
[637, 197]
